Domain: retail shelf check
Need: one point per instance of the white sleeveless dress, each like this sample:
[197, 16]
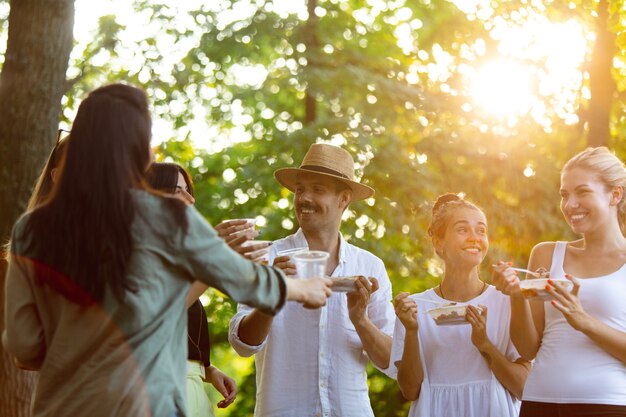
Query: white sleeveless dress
[457, 381]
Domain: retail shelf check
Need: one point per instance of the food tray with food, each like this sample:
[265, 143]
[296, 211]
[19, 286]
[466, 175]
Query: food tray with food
[450, 314]
[535, 289]
[344, 284]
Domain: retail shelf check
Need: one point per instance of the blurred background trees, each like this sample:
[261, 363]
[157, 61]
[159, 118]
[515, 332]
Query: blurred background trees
[488, 98]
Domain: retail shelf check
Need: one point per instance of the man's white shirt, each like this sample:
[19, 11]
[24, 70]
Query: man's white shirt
[312, 364]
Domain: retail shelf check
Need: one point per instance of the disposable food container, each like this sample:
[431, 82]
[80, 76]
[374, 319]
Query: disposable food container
[535, 289]
[344, 284]
[450, 314]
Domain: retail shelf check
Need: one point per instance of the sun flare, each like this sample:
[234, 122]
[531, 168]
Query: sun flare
[538, 72]
[503, 88]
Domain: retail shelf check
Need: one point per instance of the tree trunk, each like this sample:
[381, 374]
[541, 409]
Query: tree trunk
[32, 84]
[312, 47]
[601, 83]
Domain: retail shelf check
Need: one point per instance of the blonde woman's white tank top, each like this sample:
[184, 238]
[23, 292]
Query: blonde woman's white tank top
[570, 367]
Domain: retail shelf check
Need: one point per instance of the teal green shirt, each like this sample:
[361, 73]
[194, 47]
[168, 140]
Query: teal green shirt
[126, 359]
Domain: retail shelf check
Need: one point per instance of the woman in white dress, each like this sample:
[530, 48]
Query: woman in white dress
[465, 370]
[578, 339]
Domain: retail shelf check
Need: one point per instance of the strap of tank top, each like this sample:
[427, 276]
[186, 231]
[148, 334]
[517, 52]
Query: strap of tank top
[558, 256]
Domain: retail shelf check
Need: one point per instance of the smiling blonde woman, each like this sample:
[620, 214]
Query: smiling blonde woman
[578, 338]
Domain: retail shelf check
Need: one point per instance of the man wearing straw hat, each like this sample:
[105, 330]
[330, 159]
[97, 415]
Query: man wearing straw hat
[313, 362]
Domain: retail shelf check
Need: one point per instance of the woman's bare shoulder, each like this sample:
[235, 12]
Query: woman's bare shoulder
[541, 255]
[543, 247]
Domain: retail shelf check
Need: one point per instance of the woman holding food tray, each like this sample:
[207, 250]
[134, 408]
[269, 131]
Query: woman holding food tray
[577, 337]
[457, 360]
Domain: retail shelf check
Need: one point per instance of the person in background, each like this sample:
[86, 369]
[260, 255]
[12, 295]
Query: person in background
[237, 233]
[172, 178]
[98, 274]
[578, 339]
[43, 186]
[313, 363]
[466, 370]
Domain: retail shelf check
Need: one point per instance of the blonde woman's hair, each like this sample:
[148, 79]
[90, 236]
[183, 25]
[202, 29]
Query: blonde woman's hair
[441, 214]
[608, 168]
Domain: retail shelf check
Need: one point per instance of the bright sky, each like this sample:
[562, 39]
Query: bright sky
[503, 89]
[512, 86]
[137, 28]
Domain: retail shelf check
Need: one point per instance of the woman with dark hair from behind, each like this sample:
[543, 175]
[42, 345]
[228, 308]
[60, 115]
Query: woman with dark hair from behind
[98, 274]
[172, 178]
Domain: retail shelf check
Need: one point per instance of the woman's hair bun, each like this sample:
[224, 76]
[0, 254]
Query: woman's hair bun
[443, 199]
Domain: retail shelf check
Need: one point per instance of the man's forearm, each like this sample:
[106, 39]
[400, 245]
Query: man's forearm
[255, 327]
[376, 343]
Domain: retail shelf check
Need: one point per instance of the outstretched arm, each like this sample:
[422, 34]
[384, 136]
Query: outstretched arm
[311, 293]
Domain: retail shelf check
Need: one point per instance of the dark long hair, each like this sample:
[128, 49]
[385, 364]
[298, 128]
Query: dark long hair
[164, 176]
[43, 187]
[80, 235]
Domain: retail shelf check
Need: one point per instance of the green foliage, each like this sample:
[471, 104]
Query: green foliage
[414, 135]
[412, 141]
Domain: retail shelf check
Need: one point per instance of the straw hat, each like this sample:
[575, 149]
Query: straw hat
[330, 161]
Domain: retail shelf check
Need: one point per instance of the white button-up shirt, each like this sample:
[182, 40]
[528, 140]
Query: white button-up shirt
[312, 363]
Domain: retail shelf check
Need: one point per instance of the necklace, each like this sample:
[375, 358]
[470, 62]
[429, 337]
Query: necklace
[482, 290]
[198, 339]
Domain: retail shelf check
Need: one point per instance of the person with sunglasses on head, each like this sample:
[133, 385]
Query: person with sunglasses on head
[577, 337]
[173, 179]
[457, 363]
[98, 274]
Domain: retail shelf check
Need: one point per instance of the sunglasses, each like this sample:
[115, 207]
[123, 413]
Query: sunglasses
[59, 134]
[53, 154]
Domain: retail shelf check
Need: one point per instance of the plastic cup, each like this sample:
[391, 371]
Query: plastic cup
[249, 230]
[260, 255]
[311, 263]
[291, 252]
[256, 242]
